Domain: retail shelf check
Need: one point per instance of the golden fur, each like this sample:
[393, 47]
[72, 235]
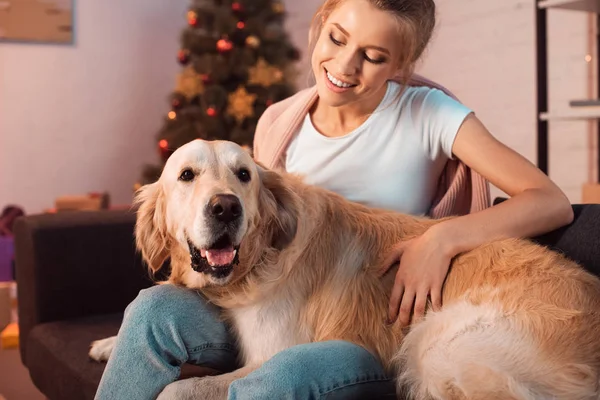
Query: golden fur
[518, 320]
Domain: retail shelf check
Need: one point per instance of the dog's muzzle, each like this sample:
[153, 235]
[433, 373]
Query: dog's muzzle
[224, 213]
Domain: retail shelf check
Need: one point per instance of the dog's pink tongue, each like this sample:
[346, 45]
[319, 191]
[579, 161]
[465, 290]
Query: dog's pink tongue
[220, 256]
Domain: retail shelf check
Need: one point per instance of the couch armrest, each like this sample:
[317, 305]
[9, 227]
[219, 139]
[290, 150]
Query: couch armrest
[75, 264]
[578, 240]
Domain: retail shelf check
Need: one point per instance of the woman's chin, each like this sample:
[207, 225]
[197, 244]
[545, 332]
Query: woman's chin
[331, 98]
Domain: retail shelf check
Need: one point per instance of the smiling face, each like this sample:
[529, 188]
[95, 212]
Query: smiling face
[355, 53]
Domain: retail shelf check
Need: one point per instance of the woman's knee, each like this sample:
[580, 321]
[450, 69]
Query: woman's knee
[335, 355]
[167, 302]
[331, 369]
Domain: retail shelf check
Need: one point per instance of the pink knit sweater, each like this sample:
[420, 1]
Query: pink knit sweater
[461, 190]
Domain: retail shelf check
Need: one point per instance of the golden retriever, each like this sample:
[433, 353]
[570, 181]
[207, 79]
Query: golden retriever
[292, 263]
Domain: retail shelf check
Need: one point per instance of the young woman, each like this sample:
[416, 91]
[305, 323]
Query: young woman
[373, 132]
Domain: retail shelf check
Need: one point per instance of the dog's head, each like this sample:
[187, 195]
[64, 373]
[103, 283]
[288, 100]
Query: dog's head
[214, 211]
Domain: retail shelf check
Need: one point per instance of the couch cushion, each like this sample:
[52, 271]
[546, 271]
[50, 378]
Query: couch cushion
[57, 356]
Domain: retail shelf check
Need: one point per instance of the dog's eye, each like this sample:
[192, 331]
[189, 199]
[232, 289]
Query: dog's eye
[243, 175]
[187, 175]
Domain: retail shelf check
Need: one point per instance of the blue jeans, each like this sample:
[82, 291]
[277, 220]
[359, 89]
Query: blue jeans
[166, 326]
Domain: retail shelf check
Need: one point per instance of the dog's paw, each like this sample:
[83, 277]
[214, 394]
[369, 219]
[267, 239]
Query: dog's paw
[207, 388]
[100, 349]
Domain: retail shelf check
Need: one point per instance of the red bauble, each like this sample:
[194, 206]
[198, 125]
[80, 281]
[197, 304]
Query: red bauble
[183, 56]
[241, 25]
[224, 45]
[211, 111]
[237, 7]
[163, 149]
[176, 104]
[205, 78]
[192, 18]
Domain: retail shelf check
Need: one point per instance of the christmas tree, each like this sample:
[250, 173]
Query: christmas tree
[236, 61]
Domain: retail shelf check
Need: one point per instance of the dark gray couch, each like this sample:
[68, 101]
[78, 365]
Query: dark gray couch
[76, 272]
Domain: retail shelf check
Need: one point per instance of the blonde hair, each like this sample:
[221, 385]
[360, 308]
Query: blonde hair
[416, 22]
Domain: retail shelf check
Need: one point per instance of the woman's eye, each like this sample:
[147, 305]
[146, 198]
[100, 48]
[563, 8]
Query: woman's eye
[186, 175]
[374, 61]
[336, 42]
[243, 175]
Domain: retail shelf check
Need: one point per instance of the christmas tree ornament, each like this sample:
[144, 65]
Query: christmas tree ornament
[192, 18]
[264, 74]
[253, 41]
[164, 150]
[183, 56]
[278, 7]
[189, 83]
[205, 78]
[211, 111]
[172, 115]
[240, 104]
[240, 25]
[176, 103]
[224, 45]
[236, 7]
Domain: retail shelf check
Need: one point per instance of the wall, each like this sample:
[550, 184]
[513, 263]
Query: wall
[484, 51]
[82, 117]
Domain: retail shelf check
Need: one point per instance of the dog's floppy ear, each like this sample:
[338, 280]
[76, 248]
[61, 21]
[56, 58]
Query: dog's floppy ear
[280, 203]
[150, 228]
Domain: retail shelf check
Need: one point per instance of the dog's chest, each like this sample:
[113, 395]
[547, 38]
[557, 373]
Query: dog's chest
[267, 328]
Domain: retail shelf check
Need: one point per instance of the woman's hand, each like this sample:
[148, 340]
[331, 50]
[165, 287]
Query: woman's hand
[424, 263]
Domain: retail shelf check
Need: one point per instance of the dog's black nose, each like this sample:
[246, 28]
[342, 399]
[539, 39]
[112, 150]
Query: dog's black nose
[225, 207]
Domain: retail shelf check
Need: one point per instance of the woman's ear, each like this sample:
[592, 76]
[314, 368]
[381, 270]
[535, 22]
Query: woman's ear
[280, 205]
[150, 229]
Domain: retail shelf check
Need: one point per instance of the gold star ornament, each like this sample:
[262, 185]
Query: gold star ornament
[189, 83]
[241, 104]
[264, 74]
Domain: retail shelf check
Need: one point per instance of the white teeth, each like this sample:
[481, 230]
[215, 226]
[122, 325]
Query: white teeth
[337, 82]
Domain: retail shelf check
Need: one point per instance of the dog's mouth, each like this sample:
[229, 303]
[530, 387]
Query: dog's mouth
[217, 260]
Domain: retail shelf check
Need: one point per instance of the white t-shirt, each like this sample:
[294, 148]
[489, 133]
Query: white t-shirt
[393, 160]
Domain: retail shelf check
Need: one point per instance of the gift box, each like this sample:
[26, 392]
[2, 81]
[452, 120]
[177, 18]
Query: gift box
[5, 305]
[89, 201]
[9, 323]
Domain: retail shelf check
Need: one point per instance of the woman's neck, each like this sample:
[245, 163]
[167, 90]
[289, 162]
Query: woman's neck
[339, 121]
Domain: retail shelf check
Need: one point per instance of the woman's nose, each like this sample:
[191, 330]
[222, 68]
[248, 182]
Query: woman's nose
[347, 64]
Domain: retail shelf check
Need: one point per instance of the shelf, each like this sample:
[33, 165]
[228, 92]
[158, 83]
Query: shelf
[576, 5]
[589, 112]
